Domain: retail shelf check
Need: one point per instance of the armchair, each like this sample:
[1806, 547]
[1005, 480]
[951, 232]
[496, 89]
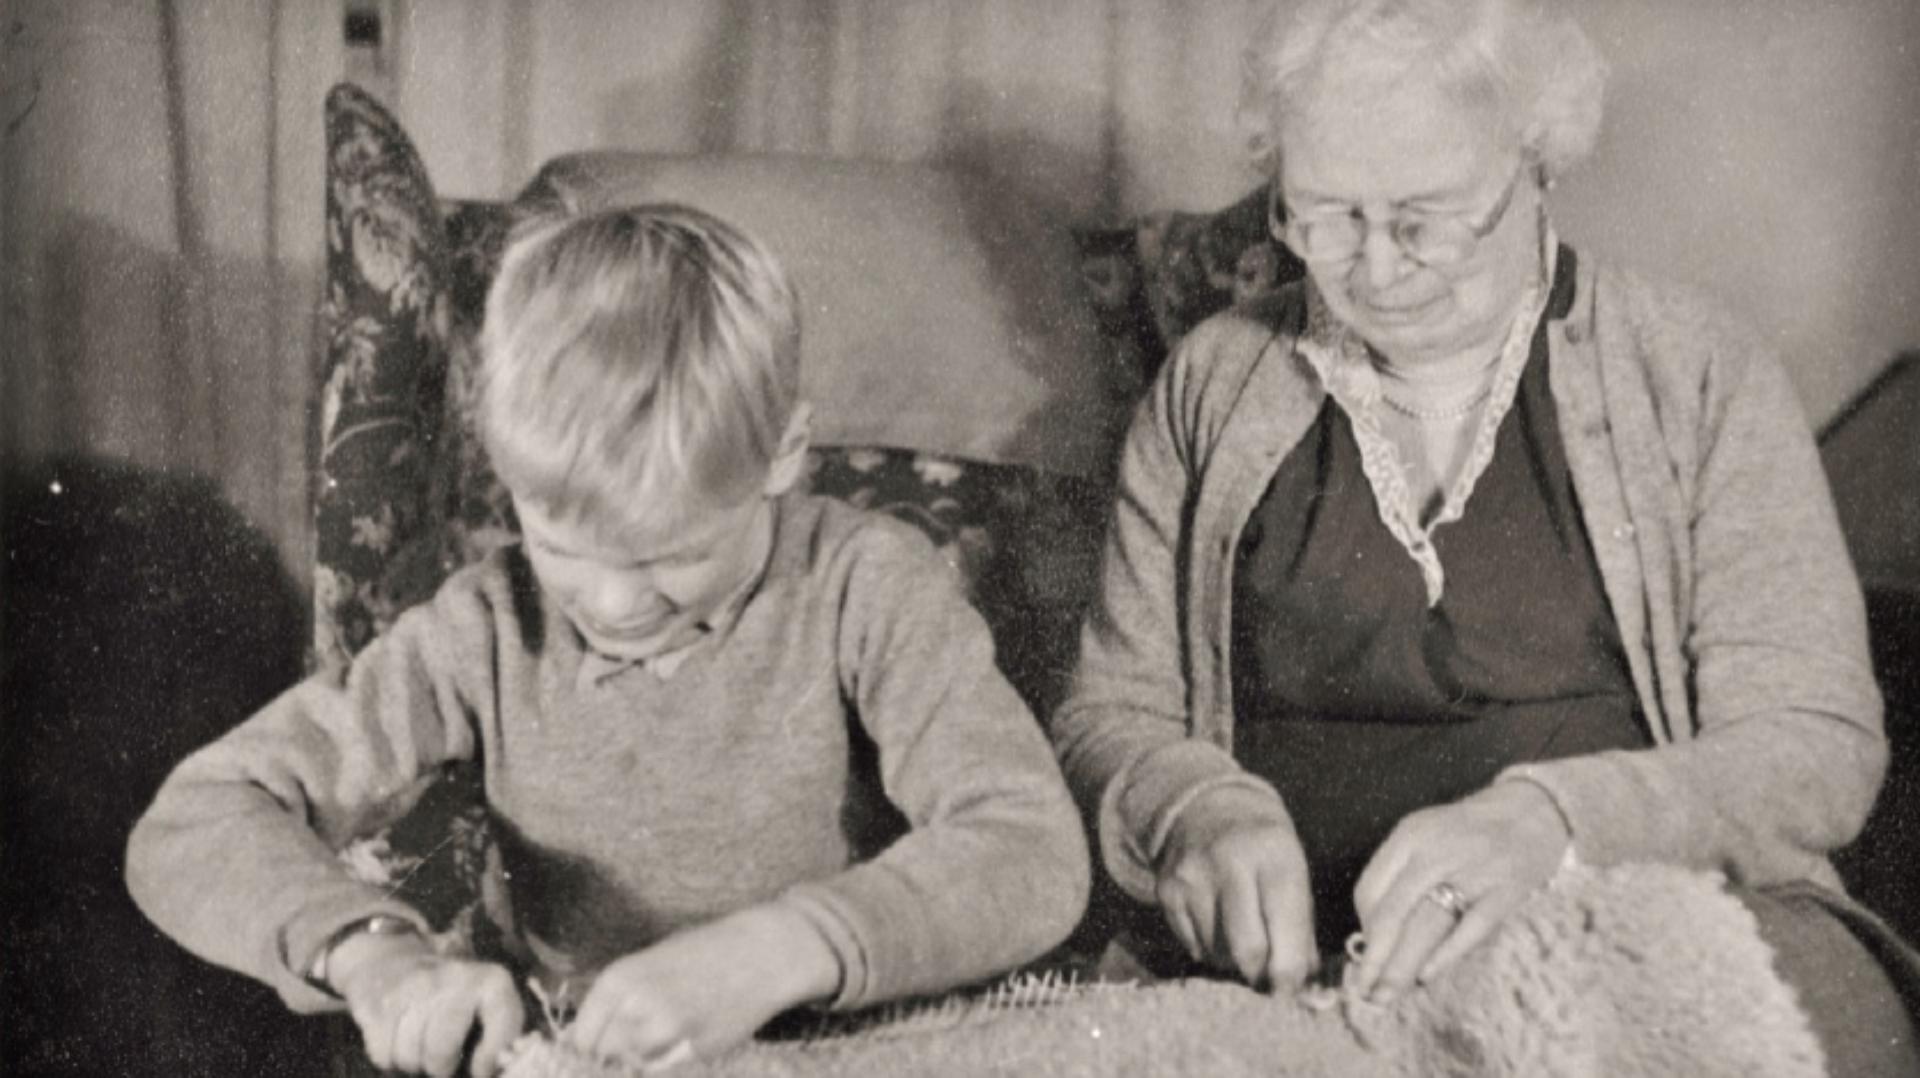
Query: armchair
[1012, 493]
[404, 496]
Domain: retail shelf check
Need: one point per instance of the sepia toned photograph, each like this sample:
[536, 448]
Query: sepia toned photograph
[947, 538]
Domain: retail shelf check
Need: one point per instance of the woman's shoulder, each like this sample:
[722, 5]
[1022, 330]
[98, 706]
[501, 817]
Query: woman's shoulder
[1209, 366]
[1249, 325]
[1671, 323]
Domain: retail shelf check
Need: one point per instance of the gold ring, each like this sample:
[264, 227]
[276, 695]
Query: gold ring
[1447, 897]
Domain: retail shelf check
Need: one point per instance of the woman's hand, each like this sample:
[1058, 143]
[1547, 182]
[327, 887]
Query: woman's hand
[1489, 852]
[415, 1009]
[1233, 887]
[704, 989]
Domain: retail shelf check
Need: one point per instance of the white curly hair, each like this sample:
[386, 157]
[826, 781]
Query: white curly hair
[1534, 68]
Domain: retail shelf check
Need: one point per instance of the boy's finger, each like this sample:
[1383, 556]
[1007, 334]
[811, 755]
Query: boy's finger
[443, 1034]
[376, 1033]
[590, 1025]
[502, 1019]
[403, 1047]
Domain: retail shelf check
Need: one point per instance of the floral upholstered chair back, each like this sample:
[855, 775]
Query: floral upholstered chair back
[404, 494]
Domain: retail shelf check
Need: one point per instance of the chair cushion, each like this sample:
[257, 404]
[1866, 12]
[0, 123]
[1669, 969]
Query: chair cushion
[942, 313]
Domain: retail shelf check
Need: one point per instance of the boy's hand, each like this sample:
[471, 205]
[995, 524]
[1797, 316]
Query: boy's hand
[704, 989]
[415, 1008]
[1233, 888]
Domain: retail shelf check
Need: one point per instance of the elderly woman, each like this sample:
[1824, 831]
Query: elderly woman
[1468, 557]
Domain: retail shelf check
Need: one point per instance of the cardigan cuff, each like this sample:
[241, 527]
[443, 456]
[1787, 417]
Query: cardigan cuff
[1146, 801]
[1604, 809]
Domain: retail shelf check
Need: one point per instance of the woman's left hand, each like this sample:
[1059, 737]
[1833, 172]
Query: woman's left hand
[1445, 879]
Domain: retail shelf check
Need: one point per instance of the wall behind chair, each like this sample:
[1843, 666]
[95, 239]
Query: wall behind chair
[1769, 152]
[1764, 150]
[160, 174]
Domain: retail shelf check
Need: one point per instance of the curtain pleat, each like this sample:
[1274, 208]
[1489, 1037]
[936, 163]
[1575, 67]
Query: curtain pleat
[162, 169]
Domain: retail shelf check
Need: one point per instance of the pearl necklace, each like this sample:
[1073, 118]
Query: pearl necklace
[1435, 415]
[1445, 412]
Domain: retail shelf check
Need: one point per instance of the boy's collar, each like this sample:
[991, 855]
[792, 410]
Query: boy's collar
[596, 667]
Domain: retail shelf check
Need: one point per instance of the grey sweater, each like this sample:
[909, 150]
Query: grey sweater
[854, 695]
[1717, 542]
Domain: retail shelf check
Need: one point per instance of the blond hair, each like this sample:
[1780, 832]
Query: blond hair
[1535, 70]
[634, 361]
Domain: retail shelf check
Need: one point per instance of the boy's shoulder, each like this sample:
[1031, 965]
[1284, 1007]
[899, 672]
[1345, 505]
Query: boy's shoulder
[498, 587]
[830, 539]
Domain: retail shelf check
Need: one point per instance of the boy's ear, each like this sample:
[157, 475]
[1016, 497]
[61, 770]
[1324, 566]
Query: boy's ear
[790, 462]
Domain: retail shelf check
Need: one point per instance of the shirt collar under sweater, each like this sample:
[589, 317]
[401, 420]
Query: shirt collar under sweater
[596, 668]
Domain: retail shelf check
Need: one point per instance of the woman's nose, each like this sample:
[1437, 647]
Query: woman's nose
[1381, 258]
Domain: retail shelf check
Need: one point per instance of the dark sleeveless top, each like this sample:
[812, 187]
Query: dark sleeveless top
[1362, 704]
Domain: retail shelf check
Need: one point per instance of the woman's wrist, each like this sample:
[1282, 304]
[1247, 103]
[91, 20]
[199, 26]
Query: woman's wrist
[1220, 808]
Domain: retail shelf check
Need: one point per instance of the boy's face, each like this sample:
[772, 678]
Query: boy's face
[650, 593]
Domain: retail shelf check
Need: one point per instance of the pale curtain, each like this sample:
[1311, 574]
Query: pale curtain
[1098, 107]
[163, 164]
[160, 238]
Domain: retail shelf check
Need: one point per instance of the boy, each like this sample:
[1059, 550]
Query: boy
[745, 749]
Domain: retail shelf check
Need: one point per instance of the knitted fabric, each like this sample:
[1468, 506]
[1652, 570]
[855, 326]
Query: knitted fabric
[1634, 970]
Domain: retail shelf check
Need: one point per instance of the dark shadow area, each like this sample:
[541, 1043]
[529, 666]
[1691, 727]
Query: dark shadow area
[140, 617]
[1872, 457]
[1871, 450]
[1882, 866]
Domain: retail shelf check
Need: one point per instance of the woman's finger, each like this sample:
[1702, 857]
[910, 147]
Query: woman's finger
[1174, 907]
[1383, 868]
[1479, 922]
[1385, 919]
[1286, 904]
[1203, 909]
[1242, 942]
[1426, 927]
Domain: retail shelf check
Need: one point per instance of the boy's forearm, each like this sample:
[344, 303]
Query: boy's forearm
[236, 858]
[955, 902]
[227, 871]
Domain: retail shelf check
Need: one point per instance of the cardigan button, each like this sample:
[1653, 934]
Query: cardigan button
[1575, 334]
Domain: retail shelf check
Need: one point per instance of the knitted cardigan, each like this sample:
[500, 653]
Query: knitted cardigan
[1717, 543]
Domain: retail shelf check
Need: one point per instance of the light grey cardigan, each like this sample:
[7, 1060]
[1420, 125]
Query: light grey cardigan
[1717, 543]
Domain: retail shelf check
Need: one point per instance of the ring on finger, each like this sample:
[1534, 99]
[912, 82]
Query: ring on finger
[1448, 897]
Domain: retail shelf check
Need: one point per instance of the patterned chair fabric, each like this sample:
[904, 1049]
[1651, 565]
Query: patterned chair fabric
[405, 495]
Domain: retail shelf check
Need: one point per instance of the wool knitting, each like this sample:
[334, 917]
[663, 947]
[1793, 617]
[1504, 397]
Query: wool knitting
[1633, 970]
